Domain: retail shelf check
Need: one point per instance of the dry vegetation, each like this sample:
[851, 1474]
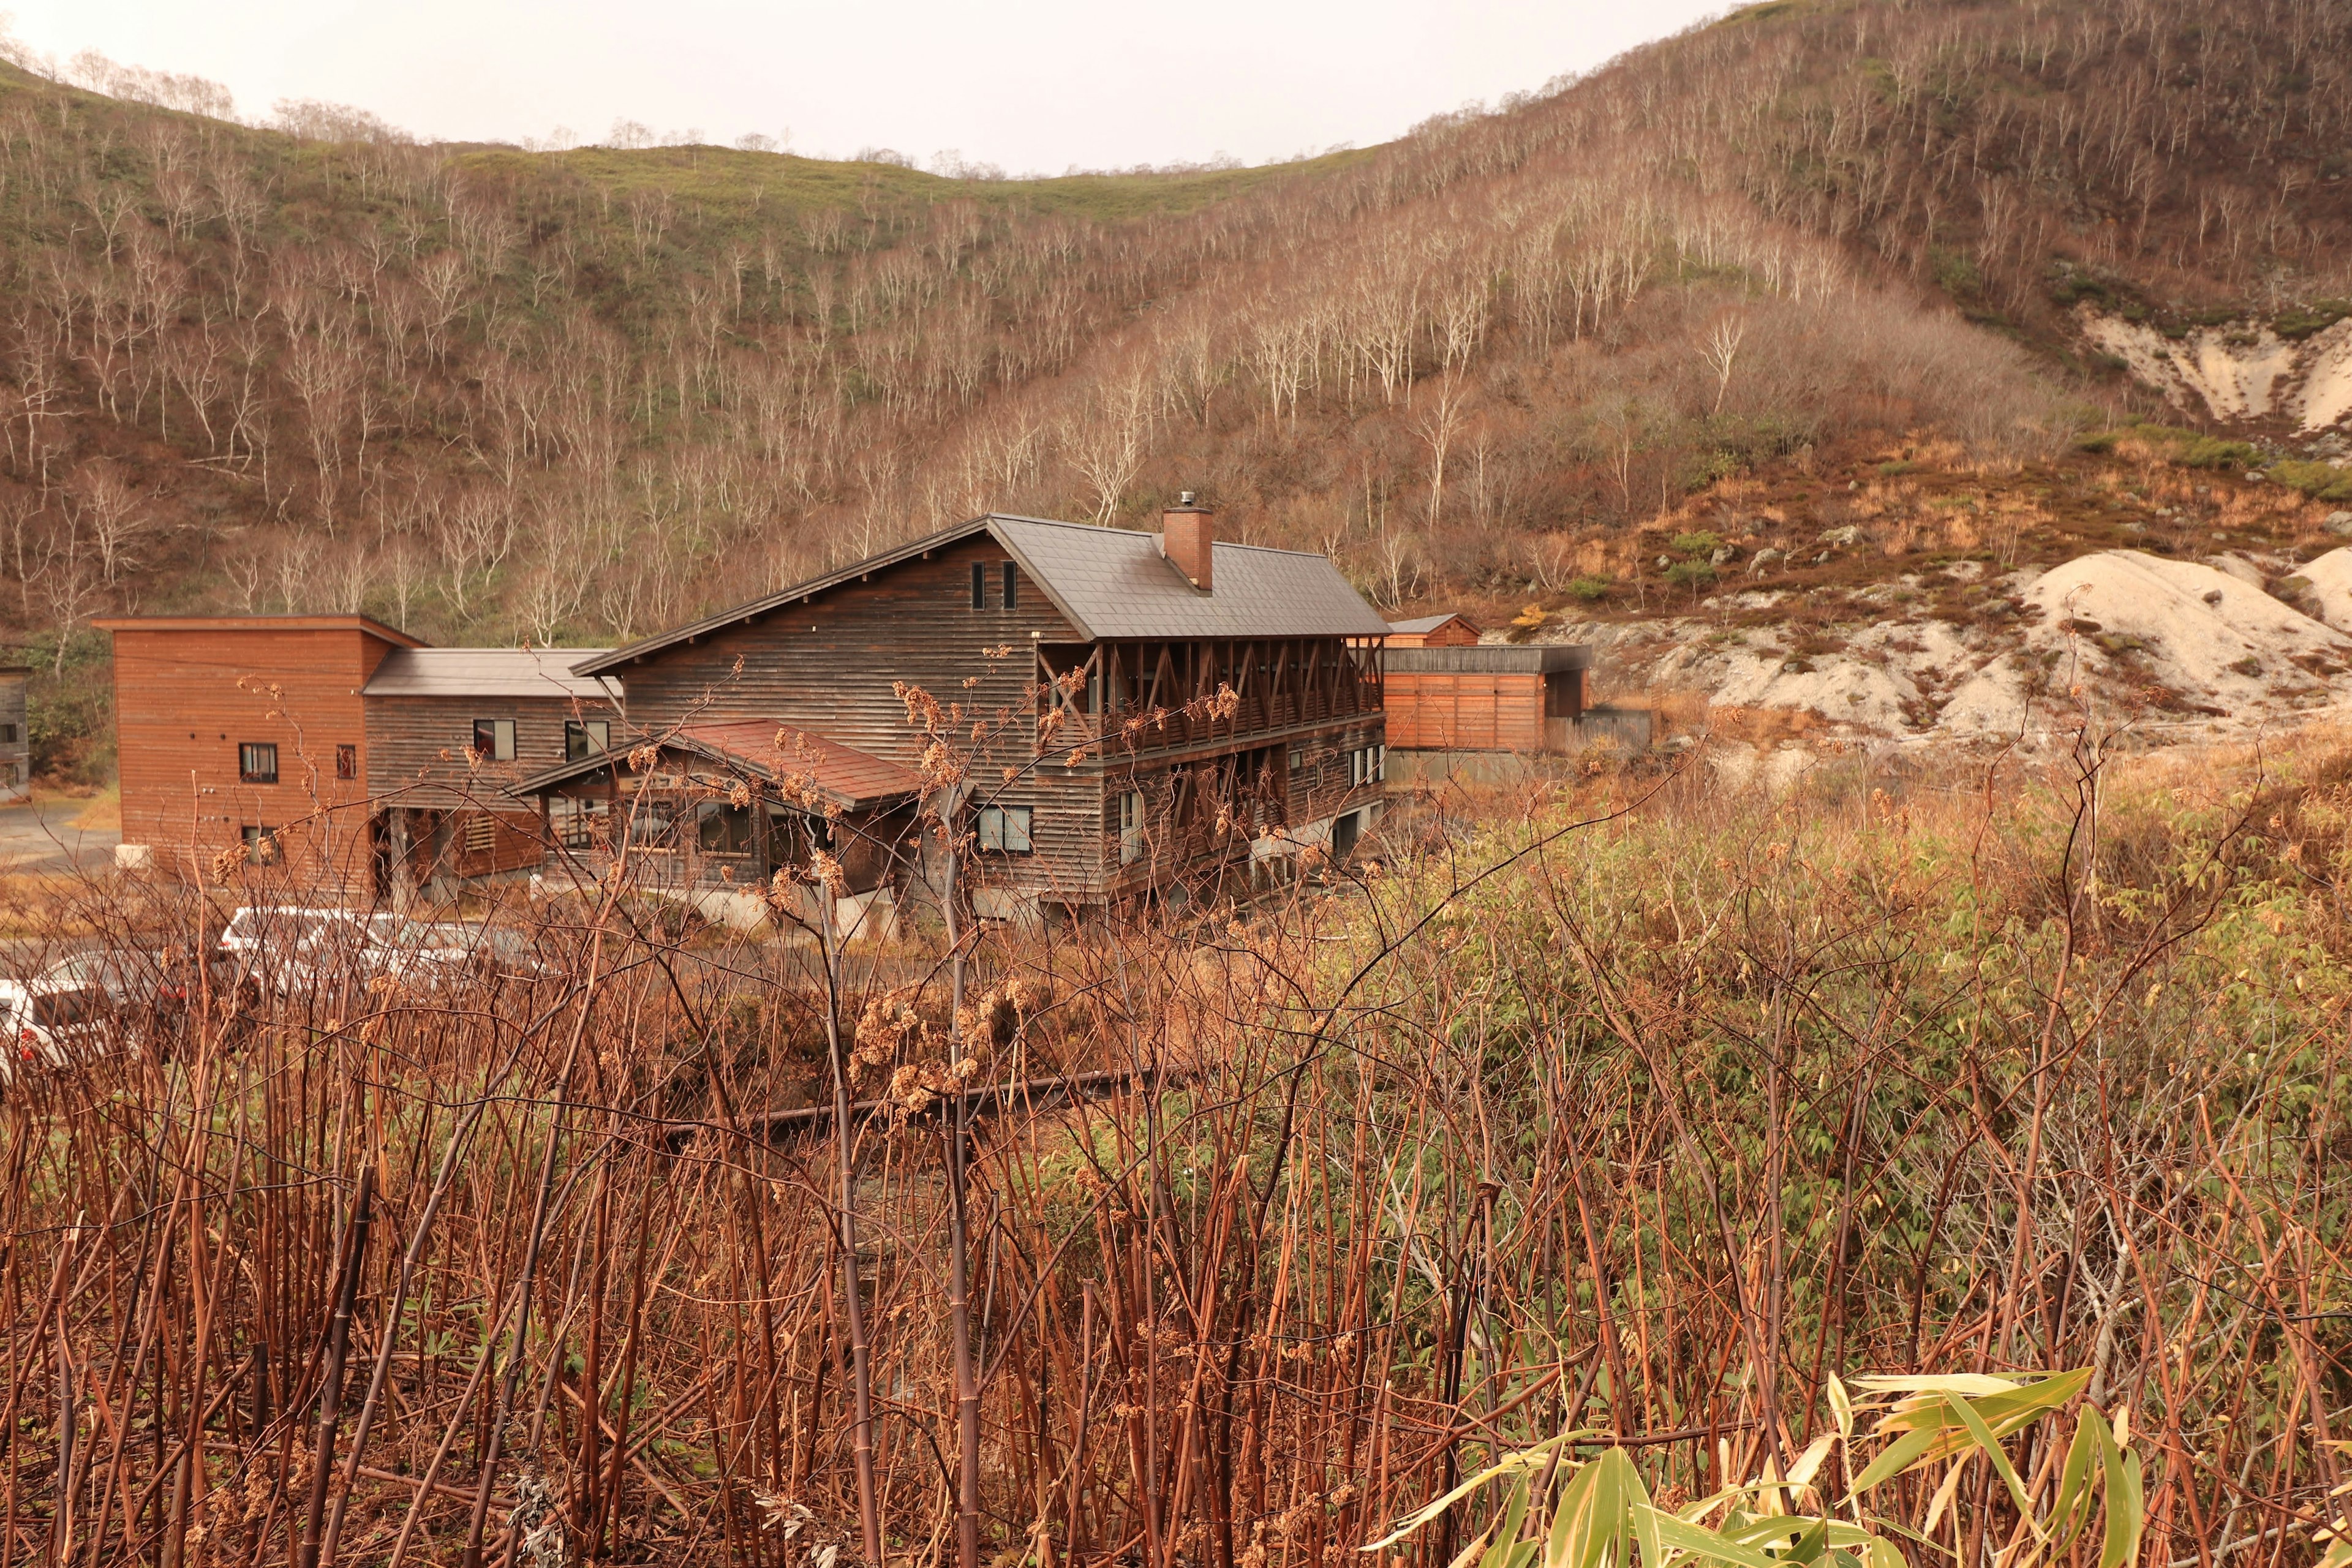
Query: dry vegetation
[1635, 1105]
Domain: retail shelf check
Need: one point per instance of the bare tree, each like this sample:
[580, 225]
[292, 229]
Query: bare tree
[102, 501]
[1720, 350]
[68, 584]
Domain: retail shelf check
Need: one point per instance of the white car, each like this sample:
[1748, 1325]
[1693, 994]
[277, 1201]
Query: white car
[50, 1023]
[284, 947]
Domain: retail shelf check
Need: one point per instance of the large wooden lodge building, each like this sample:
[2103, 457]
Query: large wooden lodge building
[1122, 712]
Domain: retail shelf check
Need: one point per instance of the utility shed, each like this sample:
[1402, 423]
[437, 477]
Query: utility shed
[1487, 698]
[1452, 629]
[450, 729]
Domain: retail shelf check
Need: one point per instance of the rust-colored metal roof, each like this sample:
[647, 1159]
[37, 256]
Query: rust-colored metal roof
[780, 753]
[760, 749]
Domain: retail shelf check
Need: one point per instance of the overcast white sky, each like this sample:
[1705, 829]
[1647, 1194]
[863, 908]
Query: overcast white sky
[1030, 84]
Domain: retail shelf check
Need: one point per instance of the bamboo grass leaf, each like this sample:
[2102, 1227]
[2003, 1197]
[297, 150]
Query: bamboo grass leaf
[1506, 1534]
[1899, 1455]
[1993, 1452]
[1695, 1540]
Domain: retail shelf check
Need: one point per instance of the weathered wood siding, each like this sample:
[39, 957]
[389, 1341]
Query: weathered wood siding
[828, 665]
[185, 701]
[419, 747]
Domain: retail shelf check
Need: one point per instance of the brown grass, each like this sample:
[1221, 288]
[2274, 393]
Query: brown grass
[1647, 1124]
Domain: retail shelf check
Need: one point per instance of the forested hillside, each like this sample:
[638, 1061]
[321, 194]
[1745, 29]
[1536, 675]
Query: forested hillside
[491, 395]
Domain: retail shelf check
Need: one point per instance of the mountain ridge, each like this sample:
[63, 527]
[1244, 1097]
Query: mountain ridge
[492, 394]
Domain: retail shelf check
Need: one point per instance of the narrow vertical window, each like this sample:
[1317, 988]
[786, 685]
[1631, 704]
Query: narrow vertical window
[1012, 575]
[347, 761]
[1131, 827]
[978, 585]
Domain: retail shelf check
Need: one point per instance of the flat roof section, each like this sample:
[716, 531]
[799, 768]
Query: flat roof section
[372, 626]
[1490, 659]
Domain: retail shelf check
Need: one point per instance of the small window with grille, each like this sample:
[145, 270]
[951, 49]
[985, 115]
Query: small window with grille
[257, 761]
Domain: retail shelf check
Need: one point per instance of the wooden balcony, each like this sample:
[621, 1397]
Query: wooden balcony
[1133, 699]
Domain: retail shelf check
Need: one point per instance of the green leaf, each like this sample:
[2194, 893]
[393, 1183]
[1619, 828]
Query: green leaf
[1899, 1456]
[2071, 1509]
[2126, 1508]
[1993, 1452]
[1508, 1465]
[1698, 1540]
[1809, 1545]
[1506, 1537]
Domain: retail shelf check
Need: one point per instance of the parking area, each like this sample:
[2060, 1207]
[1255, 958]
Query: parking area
[40, 835]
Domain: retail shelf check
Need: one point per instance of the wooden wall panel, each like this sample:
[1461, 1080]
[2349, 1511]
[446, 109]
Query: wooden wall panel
[185, 699]
[418, 746]
[1465, 711]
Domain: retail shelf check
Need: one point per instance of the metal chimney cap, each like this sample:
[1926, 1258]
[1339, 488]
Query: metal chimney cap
[1184, 497]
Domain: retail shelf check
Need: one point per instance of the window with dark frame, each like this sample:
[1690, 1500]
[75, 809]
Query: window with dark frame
[7, 735]
[494, 740]
[260, 843]
[257, 761]
[1012, 575]
[583, 737]
[347, 761]
[978, 585]
[1005, 829]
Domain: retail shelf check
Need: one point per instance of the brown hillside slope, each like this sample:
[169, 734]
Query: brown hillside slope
[493, 394]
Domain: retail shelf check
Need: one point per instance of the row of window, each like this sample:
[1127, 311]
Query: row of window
[257, 761]
[494, 741]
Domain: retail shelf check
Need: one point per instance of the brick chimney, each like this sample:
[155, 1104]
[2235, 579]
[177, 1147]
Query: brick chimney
[1188, 538]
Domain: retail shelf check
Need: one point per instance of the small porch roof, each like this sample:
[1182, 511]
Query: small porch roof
[763, 750]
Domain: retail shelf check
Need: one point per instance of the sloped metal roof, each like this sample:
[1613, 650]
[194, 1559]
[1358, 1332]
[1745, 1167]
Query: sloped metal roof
[1109, 582]
[488, 672]
[1114, 583]
[1428, 623]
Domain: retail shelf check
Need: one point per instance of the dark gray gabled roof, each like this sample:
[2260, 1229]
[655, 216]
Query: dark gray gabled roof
[487, 672]
[1108, 582]
[1114, 583]
[1429, 623]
